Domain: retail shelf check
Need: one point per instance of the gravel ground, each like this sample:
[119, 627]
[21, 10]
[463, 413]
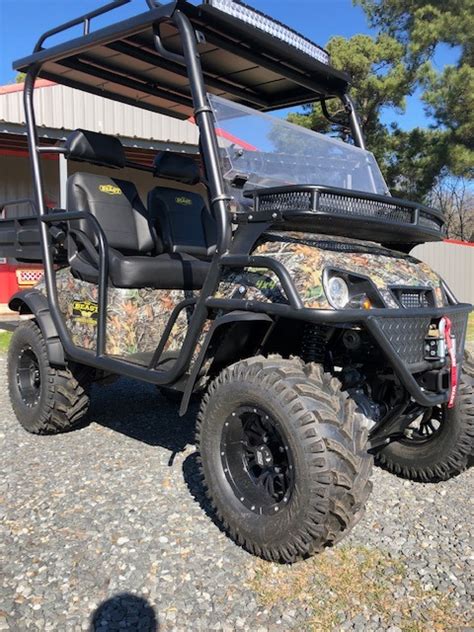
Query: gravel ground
[105, 528]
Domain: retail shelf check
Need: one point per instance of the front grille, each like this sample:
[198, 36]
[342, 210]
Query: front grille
[301, 201]
[410, 298]
[345, 205]
[285, 203]
[407, 334]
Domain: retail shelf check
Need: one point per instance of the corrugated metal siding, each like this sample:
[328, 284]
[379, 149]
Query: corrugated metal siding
[16, 181]
[454, 262]
[60, 107]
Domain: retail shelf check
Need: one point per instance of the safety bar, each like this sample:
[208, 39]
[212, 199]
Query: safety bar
[85, 19]
[53, 149]
[188, 302]
[244, 261]
[103, 267]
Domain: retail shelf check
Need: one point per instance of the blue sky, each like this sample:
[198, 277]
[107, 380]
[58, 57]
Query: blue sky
[22, 21]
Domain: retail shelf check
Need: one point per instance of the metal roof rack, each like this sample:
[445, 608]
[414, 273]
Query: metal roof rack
[249, 59]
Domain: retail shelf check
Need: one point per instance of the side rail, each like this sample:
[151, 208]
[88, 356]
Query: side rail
[266, 263]
[85, 20]
[68, 216]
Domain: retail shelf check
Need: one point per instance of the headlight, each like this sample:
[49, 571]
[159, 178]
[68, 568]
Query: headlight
[337, 292]
[350, 291]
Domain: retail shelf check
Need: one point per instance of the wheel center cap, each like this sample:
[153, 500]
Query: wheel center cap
[263, 456]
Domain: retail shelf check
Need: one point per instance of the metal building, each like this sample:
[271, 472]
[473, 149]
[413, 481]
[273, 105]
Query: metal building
[454, 261]
[60, 110]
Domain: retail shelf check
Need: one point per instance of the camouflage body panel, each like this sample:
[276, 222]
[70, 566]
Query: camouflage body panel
[136, 319]
[307, 255]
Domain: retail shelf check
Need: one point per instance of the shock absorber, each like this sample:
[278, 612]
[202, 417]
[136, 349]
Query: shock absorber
[313, 344]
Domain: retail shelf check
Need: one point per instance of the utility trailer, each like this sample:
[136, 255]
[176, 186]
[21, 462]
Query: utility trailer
[285, 297]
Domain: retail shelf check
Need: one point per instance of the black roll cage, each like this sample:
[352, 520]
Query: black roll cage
[225, 255]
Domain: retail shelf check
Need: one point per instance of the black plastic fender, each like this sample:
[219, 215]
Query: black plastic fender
[231, 318]
[35, 302]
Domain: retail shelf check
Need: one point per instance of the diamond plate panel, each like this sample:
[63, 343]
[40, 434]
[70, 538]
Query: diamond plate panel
[407, 335]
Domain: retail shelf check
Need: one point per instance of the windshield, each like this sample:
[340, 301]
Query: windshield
[259, 150]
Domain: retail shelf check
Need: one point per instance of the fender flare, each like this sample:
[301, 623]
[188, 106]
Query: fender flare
[35, 302]
[226, 319]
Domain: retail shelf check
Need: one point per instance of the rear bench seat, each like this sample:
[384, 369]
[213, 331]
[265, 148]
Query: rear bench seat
[136, 251]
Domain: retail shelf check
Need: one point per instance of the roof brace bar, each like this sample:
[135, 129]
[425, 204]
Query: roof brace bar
[85, 19]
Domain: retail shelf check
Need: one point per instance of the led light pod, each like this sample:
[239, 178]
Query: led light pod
[272, 27]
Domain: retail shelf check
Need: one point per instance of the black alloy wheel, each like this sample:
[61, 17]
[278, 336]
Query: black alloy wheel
[425, 427]
[45, 399]
[283, 457]
[440, 444]
[257, 460]
[28, 377]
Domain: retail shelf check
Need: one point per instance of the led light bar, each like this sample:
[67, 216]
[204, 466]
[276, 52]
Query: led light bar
[272, 27]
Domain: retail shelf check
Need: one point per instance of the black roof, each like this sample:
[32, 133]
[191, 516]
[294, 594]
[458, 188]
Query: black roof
[240, 63]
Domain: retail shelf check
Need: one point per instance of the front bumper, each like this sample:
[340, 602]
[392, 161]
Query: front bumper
[399, 333]
[401, 338]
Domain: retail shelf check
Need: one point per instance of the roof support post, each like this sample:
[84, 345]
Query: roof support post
[205, 120]
[354, 121]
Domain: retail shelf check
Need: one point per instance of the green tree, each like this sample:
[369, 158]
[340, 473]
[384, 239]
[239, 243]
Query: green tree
[382, 79]
[420, 25]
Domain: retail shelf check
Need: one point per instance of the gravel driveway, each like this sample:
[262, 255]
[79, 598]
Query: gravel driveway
[105, 529]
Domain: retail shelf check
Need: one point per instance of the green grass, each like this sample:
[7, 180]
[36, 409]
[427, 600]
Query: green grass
[351, 581]
[470, 328]
[4, 340]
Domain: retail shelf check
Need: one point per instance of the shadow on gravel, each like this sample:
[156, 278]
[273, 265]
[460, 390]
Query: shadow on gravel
[193, 479]
[139, 411]
[124, 612]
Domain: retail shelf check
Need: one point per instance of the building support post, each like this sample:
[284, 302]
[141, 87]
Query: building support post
[62, 180]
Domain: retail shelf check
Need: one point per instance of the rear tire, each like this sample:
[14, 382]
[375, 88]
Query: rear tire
[449, 450]
[298, 479]
[45, 399]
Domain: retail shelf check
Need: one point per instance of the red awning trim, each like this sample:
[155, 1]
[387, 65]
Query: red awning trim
[458, 242]
[18, 87]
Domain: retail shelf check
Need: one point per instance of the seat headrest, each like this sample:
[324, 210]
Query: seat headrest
[173, 166]
[98, 149]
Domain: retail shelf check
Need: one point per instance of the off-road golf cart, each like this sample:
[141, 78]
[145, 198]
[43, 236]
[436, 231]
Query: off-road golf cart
[285, 294]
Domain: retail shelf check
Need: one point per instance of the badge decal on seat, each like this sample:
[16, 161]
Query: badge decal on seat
[184, 201]
[110, 189]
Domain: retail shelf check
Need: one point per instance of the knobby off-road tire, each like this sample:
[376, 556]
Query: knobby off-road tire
[326, 460]
[449, 450]
[45, 399]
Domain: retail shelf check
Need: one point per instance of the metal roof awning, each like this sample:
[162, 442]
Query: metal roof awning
[240, 62]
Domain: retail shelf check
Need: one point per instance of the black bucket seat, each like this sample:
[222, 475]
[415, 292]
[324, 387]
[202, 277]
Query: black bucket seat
[186, 223]
[135, 248]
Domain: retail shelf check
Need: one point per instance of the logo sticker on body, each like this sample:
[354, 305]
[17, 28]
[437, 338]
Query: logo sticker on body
[85, 312]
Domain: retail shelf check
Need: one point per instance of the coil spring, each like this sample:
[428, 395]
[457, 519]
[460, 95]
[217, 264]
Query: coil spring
[313, 345]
